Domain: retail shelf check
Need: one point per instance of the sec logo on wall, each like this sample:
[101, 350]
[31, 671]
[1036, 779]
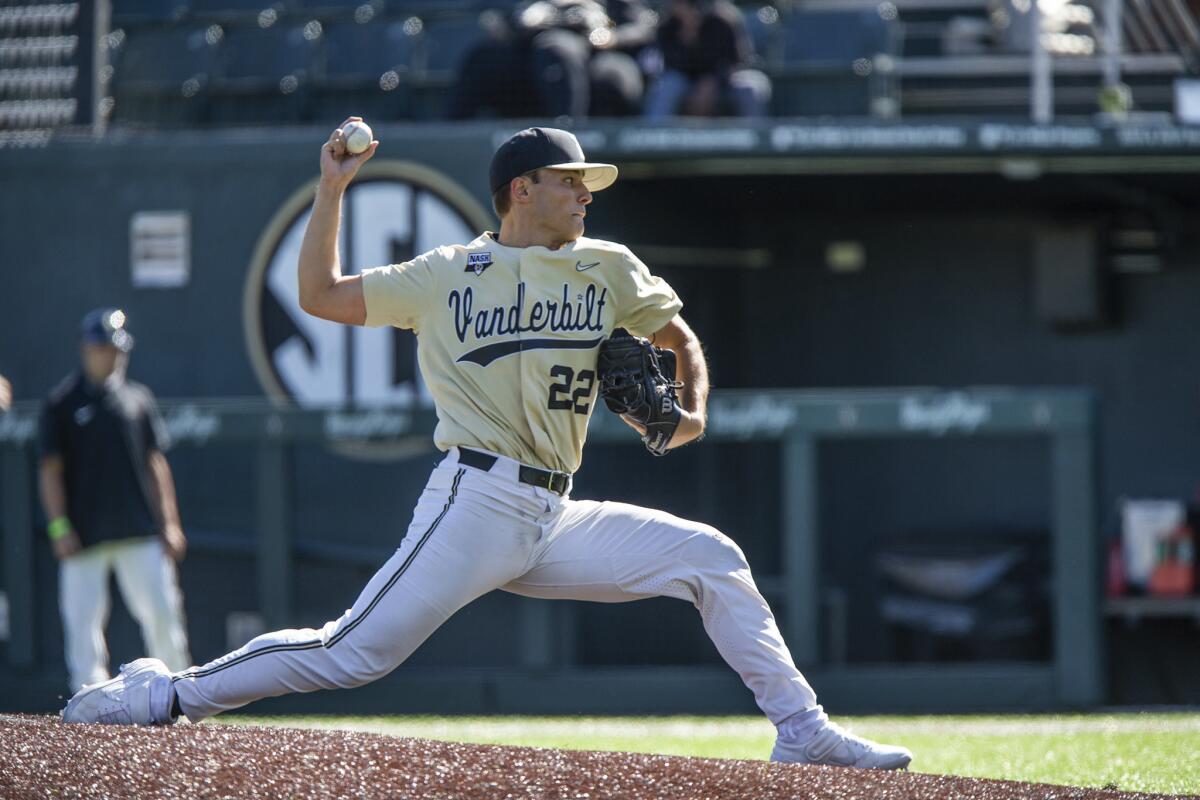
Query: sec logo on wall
[392, 212]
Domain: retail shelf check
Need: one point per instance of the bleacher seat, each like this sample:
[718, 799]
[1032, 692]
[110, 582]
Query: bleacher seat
[337, 9]
[37, 51]
[835, 37]
[762, 24]
[926, 24]
[357, 54]
[233, 10]
[162, 59]
[130, 13]
[17, 114]
[265, 73]
[444, 43]
[37, 83]
[367, 70]
[432, 8]
[826, 61]
[44, 20]
[258, 58]
[160, 74]
[43, 75]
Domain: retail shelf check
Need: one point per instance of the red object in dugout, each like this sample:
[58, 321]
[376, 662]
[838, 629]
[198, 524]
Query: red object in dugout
[1175, 575]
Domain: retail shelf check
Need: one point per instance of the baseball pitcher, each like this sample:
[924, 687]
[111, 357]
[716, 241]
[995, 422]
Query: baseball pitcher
[513, 342]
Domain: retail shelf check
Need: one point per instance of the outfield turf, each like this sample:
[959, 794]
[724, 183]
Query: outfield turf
[1132, 752]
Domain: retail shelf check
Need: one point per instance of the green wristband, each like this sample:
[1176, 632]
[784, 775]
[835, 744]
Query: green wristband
[58, 528]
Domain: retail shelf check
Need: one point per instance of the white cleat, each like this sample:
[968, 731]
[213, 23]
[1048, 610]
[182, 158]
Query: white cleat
[834, 746]
[125, 699]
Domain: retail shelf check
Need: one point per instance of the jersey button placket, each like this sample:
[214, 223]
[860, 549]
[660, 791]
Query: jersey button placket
[521, 334]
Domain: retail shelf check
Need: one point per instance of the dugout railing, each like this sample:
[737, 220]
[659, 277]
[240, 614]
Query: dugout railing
[798, 419]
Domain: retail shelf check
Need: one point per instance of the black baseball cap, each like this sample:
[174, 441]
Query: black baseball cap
[107, 326]
[546, 148]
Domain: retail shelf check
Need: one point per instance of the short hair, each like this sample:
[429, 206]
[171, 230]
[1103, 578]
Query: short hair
[502, 197]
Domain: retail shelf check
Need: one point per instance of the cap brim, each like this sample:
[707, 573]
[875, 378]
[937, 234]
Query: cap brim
[595, 176]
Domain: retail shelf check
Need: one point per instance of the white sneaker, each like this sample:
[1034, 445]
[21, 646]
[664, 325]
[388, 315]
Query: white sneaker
[137, 696]
[837, 747]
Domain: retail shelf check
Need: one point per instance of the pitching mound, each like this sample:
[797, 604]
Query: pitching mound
[41, 757]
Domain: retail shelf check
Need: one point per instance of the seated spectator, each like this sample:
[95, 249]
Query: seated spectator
[558, 58]
[706, 53]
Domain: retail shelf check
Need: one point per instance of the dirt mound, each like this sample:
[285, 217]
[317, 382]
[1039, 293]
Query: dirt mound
[41, 757]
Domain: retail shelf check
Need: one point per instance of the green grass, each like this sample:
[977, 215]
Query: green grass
[1133, 752]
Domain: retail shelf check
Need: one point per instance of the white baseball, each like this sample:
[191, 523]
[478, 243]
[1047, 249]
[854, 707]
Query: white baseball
[358, 137]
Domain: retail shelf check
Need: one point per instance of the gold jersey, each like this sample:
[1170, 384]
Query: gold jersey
[507, 337]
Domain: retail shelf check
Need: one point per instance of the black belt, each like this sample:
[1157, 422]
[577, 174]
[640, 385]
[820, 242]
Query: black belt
[557, 482]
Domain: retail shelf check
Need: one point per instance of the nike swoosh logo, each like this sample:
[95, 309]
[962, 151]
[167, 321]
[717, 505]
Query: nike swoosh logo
[581, 267]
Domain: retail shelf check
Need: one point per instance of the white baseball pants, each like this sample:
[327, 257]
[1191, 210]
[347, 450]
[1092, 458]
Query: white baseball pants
[149, 585]
[474, 531]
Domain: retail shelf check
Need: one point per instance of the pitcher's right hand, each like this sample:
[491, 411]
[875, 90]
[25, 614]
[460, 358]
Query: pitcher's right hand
[337, 166]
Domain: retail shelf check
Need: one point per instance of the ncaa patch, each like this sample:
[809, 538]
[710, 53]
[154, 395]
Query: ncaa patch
[478, 262]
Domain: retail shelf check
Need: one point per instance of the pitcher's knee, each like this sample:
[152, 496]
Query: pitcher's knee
[357, 672]
[359, 668]
[718, 551]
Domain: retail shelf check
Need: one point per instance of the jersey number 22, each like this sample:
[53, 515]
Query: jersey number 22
[576, 401]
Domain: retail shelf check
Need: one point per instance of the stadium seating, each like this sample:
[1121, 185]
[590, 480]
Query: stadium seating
[265, 73]
[444, 42]
[357, 55]
[36, 51]
[1159, 26]
[337, 9]
[47, 77]
[129, 13]
[368, 69]
[836, 38]
[927, 26]
[161, 74]
[38, 82]
[233, 11]
[396, 59]
[54, 19]
[257, 59]
[162, 59]
[825, 62]
[429, 8]
[762, 24]
[1159, 40]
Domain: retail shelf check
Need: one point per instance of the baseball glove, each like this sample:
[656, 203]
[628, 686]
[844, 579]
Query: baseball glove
[637, 380]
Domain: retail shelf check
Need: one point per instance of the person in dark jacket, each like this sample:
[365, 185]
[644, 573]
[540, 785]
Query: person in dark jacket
[109, 499]
[557, 58]
[706, 58]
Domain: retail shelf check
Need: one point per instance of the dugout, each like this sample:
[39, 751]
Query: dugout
[809, 255]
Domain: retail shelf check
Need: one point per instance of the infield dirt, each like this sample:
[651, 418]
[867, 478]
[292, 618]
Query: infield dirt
[41, 758]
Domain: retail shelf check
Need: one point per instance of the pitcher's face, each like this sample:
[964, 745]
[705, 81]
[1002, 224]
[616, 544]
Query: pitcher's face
[560, 202]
